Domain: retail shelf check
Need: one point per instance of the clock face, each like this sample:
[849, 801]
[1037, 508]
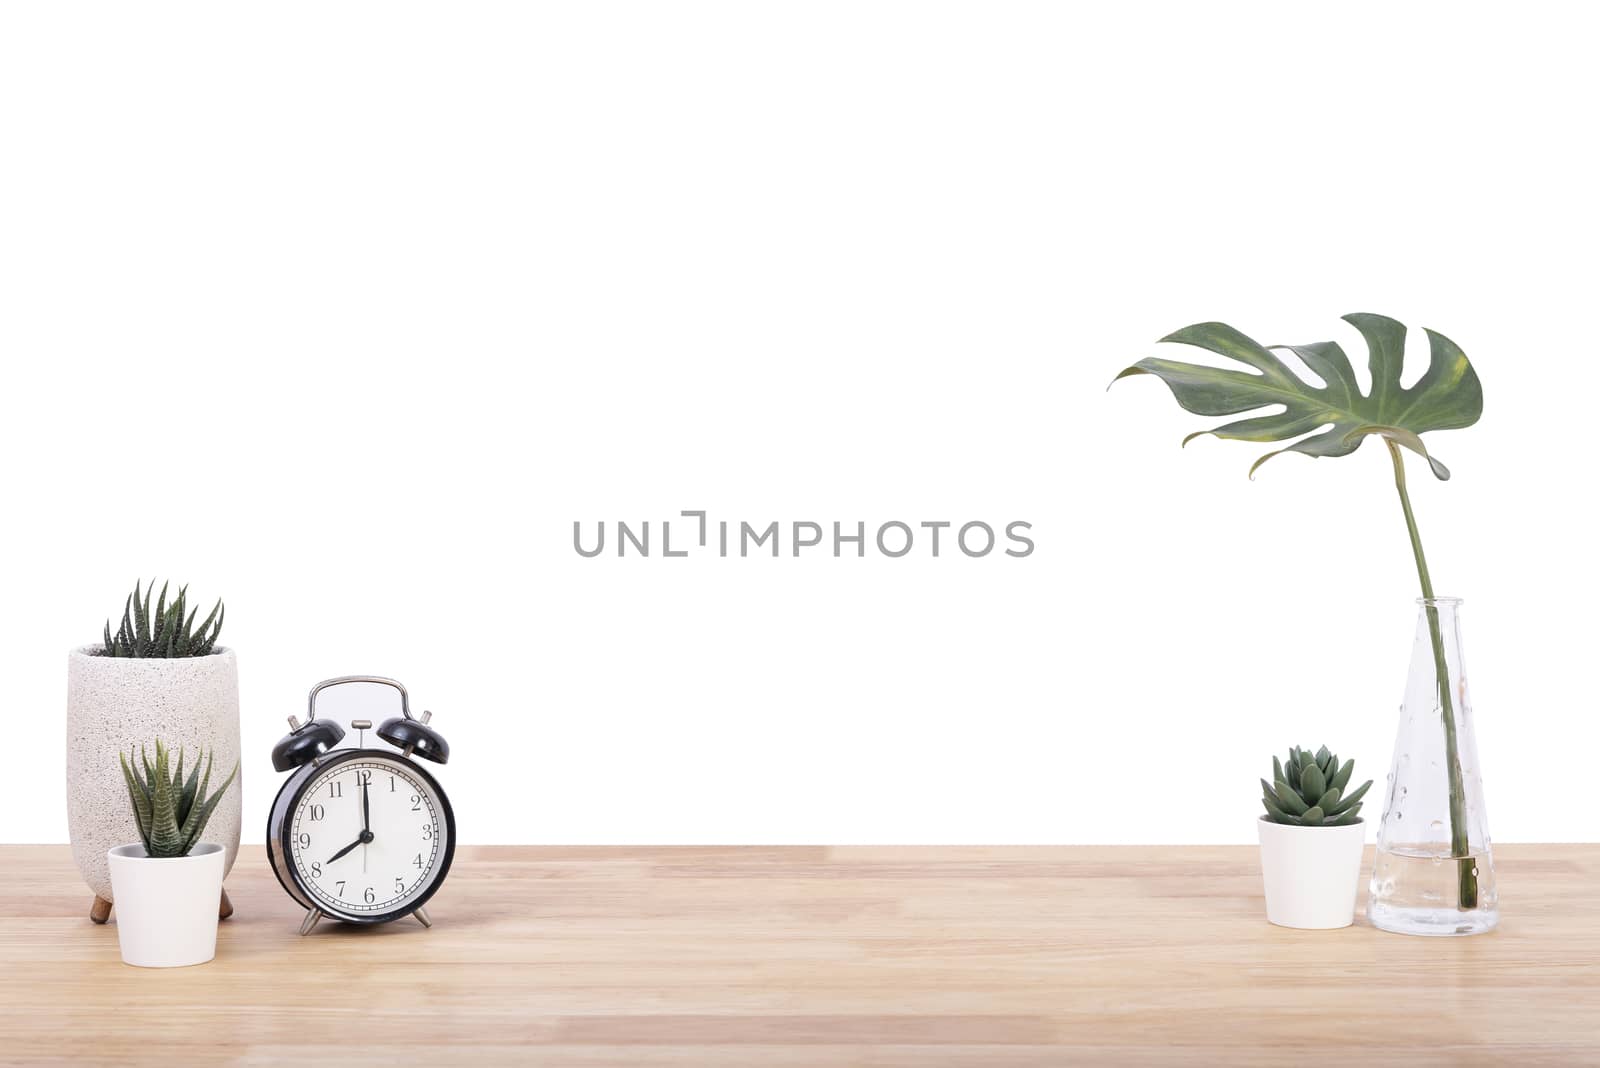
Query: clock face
[369, 837]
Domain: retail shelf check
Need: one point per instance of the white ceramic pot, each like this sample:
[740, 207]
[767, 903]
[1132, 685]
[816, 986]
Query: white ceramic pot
[166, 906]
[1310, 874]
[115, 702]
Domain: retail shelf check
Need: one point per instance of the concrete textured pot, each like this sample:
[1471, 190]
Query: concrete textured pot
[164, 914]
[116, 702]
[1310, 874]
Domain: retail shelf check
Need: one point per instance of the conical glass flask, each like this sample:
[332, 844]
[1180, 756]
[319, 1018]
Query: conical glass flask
[1434, 874]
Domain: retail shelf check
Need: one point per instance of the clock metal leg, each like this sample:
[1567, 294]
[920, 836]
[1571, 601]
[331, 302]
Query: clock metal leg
[422, 917]
[312, 916]
[100, 911]
[224, 907]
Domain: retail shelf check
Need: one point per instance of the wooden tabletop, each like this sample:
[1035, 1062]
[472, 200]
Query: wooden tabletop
[998, 956]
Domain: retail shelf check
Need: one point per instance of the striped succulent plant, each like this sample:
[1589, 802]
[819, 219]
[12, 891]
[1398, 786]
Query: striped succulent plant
[1308, 790]
[165, 633]
[171, 810]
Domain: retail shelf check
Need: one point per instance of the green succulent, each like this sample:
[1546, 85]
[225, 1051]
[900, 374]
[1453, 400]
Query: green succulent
[171, 810]
[1308, 790]
[165, 633]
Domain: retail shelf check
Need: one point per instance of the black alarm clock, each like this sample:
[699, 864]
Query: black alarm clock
[360, 835]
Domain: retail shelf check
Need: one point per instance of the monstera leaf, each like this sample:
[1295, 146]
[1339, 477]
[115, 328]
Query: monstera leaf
[1447, 396]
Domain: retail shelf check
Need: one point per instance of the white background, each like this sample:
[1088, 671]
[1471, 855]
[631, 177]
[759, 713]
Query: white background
[346, 312]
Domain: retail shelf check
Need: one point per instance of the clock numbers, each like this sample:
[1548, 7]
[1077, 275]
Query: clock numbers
[335, 788]
[317, 812]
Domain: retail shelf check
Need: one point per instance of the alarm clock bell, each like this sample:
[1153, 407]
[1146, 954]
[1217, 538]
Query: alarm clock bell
[414, 737]
[305, 742]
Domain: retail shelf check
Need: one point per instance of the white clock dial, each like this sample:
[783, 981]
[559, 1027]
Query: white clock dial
[367, 836]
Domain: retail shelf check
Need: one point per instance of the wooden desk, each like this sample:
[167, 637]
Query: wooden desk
[809, 956]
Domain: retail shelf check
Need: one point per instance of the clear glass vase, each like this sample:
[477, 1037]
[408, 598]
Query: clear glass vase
[1434, 874]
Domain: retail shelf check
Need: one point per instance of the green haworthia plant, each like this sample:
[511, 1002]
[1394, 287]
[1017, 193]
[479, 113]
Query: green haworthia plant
[1334, 419]
[165, 633]
[171, 810]
[1310, 790]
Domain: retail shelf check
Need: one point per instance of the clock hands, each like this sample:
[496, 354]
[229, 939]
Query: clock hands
[366, 830]
[348, 848]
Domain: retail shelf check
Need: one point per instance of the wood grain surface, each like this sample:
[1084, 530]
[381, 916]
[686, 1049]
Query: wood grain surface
[1001, 956]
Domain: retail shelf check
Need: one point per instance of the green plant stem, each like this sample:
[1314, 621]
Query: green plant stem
[1467, 878]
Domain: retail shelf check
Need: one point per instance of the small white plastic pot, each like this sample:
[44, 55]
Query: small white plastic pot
[1311, 874]
[166, 906]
